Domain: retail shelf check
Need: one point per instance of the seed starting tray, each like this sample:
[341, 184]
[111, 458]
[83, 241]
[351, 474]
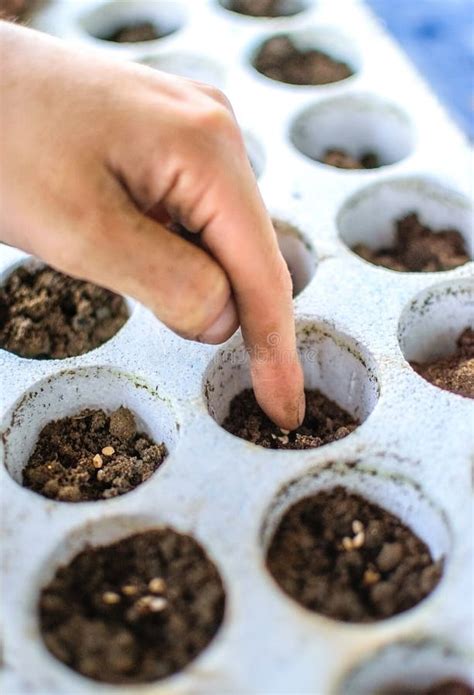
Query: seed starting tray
[358, 327]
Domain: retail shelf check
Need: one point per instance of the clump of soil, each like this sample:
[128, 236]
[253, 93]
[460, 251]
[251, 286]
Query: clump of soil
[47, 315]
[456, 372]
[417, 248]
[447, 687]
[343, 160]
[342, 556]
[260, 8]
[134, 611]
[91, 456]
[324, 422]
[137, 31]
[280, 59]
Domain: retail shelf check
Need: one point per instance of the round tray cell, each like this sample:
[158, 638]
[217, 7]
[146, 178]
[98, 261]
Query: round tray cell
[355, 545]
[298, 253]
[189, 65]
[417, 667]
[436, 335]
[140, 417]
[340, 379]
[356, 132]
[45, 314]
[266, 9]
[132, 607]
[306, 57]
[126, 22]
[255, 153]
[392, 223]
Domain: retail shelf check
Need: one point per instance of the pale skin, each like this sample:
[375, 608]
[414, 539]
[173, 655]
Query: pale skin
[97, 154]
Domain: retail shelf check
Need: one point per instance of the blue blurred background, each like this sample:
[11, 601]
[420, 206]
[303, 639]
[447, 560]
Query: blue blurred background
[438, 36]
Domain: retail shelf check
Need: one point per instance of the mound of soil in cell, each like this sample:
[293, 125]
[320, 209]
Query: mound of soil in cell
[342, 556]
[91, 456]
[447, 687]
[138, 31]
[47, 315]
[259, 8]
[280, 59]
[134, 611]
[16, 10]
[456, 372]
[417, 248]
[324, 422]
[342, 160]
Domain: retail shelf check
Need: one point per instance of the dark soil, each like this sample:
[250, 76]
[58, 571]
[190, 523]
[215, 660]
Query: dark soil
[259, 8]
[280, 59]
[456, 372]
[324, 422]
[134, 611]
[47, 315]
[342, 160]
[342, 556]
[447, 687]
[417, 248]
[138, 31]
[91, 456]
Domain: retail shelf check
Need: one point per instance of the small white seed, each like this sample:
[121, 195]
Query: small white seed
[110, 598]
[357, 526]
[347, 543]
[358, 540]
[97, 461]
[158, 604]
[157, 585]
[108, 451]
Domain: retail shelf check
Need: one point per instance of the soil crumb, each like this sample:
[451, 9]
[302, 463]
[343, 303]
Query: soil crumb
[91, 456]
[343, 160]
[456, 372]
[324, 422]
[47, 315]
[342, 556]
[417, 248]
[135, 611]
[261, 8]
[447, 687]
[280, 59]
[133, 33]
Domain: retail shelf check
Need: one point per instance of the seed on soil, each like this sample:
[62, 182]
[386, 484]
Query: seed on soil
[418, 248]
[157, 585]
[324, 422]
[47, 315]
[279, 58]
[317, 562]
[454, 373]
[113, 635]
[65, 464]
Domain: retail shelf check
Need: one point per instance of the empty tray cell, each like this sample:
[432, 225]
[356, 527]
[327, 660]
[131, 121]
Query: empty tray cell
[132, 610]
[353, 132]
[408, 224]
[306, 57]
[189, 65]
[120, 431]
[45, 314]
[266, 8]
[132, 22]
[416, 667]
[355, 546]
[436, 335]
[298, 253]
[340, 381]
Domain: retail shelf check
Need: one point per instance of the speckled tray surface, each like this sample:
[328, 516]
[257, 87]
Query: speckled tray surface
[358, 326]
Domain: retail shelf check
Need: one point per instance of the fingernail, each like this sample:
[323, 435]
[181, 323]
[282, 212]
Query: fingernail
[301, 409]
[226, 323]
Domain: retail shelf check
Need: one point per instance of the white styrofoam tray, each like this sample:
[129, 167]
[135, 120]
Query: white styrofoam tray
[357, 326]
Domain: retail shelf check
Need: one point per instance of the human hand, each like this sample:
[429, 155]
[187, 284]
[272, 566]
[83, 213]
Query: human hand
[98, 154]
